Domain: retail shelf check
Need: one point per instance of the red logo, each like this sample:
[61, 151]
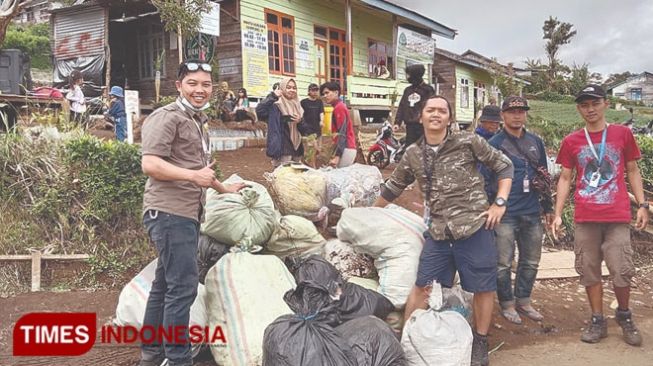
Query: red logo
[73, 334]
[54, 334]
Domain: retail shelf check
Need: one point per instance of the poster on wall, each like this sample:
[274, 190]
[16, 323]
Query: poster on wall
[255, 57]
[413, 48]
[303, 54]
[210, 21]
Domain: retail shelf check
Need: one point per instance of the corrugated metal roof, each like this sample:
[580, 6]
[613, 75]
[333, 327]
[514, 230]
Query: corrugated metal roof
[79, 32]
[429, 23]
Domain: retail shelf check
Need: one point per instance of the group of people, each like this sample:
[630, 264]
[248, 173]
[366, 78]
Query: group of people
[468, 232]
[486, 193]
[289, 119]
[116, 108]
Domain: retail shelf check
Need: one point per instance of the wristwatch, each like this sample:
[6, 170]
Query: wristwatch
[501, 202]
[643, 205]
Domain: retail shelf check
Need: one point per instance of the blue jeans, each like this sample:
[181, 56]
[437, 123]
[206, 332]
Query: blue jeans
[175, 282]
[527, 231]
[121, 128]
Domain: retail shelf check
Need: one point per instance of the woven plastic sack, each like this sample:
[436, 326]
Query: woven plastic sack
[234, 217]
[133, 301]
[299, 190]
[244, 295]
[295, 236]
[435, 337]
[393, 237]
[359, 185]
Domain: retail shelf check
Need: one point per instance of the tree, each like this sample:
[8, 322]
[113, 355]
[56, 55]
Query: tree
[538, 77]
[183, 15]
[504, 78]
[8, 10]
[32, 39]
[581, 76]
[558, 34]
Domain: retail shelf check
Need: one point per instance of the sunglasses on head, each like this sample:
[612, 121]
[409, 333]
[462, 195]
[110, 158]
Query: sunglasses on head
[194, 66]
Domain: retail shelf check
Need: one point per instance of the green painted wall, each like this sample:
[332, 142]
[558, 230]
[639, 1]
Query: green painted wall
[473, 75]
[366, 24]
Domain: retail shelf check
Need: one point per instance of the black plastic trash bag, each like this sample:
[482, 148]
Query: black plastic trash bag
[357, 301]
[316, 269]
[373, 342]
[209, 252]
[305, 338]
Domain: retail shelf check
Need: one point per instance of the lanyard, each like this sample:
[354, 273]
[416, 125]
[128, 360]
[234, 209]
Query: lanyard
[205, 148]
[599, 156]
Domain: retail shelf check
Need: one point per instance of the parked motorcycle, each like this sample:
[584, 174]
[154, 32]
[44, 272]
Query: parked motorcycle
[386, 149]
[638, 130]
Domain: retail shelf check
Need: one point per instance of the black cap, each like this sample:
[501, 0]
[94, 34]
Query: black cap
[590, 91]
[514, 102]
[491, 113]
[313, 86]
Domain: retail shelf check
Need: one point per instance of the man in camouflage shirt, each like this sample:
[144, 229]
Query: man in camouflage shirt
[460, 236]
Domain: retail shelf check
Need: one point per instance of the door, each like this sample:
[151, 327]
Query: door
[338, 58]
[320, 61]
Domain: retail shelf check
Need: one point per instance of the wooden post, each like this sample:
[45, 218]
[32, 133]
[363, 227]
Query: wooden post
[350, 48]
[36, 258]
[394, 46]
[107, 77]
[36, 271]
[180, 40]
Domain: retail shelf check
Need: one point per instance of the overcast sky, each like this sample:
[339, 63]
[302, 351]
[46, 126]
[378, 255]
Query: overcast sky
[612, 36]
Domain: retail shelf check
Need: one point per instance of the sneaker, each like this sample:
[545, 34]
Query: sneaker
[631, 333]
[597, 329]
[480, 355]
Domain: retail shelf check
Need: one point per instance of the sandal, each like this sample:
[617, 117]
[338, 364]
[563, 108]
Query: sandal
[511, 315]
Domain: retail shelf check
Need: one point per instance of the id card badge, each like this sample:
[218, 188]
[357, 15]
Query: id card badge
[427, 214]
[526, 184]
[594, 179]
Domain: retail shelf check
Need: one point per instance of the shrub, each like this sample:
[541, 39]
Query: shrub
[80, 195]
[33, 40]
[646, 162]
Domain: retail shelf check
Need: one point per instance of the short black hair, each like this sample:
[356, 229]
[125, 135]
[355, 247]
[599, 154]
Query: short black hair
[276, 86]
[312, 86]
[183, 69]
[331, 85]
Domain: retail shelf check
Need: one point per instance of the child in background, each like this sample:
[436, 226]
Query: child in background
[117, 112]
[76, 97]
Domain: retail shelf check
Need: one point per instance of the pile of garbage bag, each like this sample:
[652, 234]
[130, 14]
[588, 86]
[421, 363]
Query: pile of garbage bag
[285, 295]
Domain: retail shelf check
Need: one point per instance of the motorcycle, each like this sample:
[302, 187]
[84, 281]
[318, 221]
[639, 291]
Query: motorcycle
[638, 130]
[386, 149]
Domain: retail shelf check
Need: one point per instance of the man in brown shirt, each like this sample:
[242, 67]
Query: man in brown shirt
[460, 234]
[175, 151]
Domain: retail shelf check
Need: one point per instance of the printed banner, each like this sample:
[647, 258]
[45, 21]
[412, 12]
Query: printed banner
[255, 57]
[413, 48]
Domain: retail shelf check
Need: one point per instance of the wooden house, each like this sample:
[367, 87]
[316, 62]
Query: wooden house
[259, 42]
[638, 88]
[467, 81]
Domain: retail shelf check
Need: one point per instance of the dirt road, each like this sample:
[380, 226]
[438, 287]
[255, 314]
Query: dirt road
[555, 341]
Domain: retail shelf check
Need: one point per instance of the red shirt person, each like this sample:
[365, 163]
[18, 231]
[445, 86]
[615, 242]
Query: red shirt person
[341, 126]
[602, 155]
